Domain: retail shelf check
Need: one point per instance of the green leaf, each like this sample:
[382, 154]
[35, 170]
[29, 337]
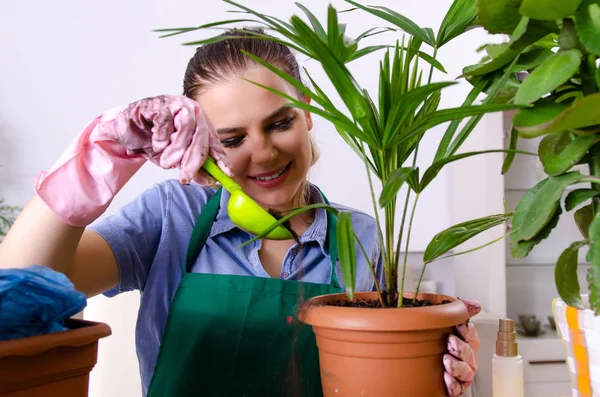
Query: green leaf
[458, 234]
[460, 16]
[397, 19]
[499, 16]
[531, 59]
[593, 278]
[314, 21]
[413, 180]
[441, 116]
[346, 251]
[436, 167]
[520, 249]
[583, 219]
[510, 156]
[547, 118]
[529, 32]
[393, 184]
[593, 256]
[559, 151]
[447, 148]
[549, 10]
[565, 275]
[538, 206]
[579, 196]
[550, 75]
[587, 22]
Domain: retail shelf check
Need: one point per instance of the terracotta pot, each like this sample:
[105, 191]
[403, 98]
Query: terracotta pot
[55, 364]
[580, 332]
[382, 352]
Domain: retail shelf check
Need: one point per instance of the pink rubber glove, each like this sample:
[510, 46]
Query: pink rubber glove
[170, 131]
[463, 354]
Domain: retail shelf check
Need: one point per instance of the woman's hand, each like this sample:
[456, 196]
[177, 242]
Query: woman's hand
[170, 131]
[461, 360]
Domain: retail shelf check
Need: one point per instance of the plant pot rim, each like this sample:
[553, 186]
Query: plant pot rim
[315, 313]
[80, 333]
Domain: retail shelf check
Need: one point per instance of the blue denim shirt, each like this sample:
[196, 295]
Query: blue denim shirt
[150, 235]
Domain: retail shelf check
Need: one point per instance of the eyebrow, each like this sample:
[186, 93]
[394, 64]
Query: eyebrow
[277, 113]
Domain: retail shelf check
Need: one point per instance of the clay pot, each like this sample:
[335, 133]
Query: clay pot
[55, 364]
[382, 352]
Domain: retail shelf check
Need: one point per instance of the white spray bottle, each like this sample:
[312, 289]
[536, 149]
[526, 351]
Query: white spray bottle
[507, 364]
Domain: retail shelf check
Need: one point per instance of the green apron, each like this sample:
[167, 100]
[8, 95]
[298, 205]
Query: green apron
[238, 335]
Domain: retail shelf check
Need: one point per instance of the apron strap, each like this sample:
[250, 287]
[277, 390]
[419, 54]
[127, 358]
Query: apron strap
[209, 213]
[202, 230]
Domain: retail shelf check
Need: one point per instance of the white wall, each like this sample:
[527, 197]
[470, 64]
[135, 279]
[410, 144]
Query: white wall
[65, 61]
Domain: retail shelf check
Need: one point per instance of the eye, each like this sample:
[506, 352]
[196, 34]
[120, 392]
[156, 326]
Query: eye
[232, 142]
[282, 125]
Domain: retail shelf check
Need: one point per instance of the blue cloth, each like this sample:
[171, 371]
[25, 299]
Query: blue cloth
[150, 235]
[36, 300]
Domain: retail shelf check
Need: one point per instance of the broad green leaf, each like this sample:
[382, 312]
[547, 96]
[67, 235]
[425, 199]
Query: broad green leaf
[393, 185]
[458, 234]
[579, 196]
[510, 156]
[520, 249]
[565, 275]
[583, 219]
[587, 21]
[397, 19]
[593, 256]
[593, 278]
[460, 16]
[539, 204]
[549, 10]
[346, 251]
[559, 151]
[413, 180]
[536, 121]
[531, 59]
[499, 16]
[528, 33]
[550, 75]
[435, 168]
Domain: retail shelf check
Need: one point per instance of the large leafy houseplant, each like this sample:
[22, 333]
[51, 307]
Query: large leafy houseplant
[362, 351]
[385, 131]
[552, 51]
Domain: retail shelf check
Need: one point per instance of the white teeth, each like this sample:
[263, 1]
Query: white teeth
[268, 178]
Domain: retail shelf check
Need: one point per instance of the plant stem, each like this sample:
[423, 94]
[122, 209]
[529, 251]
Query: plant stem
[412, 216]
[414, 164]
[594, 165]
[378, 222]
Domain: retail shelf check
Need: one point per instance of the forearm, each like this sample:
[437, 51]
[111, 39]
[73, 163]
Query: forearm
[39, 237]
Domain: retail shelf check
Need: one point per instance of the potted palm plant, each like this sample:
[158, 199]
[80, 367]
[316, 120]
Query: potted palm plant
[388, 342]
[552, 50]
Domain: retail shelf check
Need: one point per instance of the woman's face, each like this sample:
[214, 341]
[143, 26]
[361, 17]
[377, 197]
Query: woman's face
[267, 143]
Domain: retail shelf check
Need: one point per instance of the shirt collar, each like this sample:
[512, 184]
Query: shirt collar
[317, 231]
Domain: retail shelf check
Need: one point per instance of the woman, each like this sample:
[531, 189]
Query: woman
[213, 318]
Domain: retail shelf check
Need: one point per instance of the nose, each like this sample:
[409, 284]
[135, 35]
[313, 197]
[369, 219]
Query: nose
[264, 152]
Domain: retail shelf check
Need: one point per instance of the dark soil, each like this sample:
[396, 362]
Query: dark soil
[374, 304]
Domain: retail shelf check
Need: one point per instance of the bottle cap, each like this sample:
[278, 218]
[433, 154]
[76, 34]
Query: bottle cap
[506, 340]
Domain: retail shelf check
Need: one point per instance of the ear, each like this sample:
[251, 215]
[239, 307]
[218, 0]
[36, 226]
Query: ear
[308, 115]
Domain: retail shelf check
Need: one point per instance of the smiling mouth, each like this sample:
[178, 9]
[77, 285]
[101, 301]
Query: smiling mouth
[272, 176]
